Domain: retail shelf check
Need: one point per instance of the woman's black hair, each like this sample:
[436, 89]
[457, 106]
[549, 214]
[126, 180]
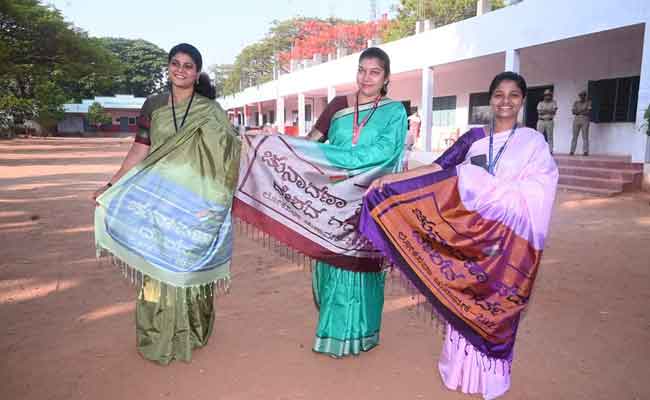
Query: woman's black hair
[509, 76]
[379, 54]
[203, 85]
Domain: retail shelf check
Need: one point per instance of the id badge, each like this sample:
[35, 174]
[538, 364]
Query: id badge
[480, 161]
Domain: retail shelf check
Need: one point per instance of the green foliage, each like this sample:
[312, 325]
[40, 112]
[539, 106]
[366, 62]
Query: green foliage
[40, 45]
[49, 99]
[255, 63]
[646, 124]
[45, 61]
[144, 66]
[97, 116]
[441, 12]
[14, 110]
[220, 73]
[253, 66]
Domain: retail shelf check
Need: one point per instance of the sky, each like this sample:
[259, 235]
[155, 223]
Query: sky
[218, 28]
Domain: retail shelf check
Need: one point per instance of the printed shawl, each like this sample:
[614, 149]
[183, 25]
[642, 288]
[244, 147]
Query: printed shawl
[471, 242]
[307, 195]
[170, 216]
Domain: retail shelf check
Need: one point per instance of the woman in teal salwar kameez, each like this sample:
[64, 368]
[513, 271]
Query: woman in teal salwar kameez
[165, 215]
[372, 129]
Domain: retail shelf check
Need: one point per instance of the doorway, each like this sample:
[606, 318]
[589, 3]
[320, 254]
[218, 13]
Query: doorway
[534, 96]
[124, 124]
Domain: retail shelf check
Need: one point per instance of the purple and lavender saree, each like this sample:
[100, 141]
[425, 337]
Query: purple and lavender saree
[471, 242]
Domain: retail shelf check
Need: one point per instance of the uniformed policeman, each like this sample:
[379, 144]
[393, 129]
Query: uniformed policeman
[581, 110]
[546, 110]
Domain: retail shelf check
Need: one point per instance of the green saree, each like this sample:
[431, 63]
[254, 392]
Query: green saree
[167, 223]
[172, 321]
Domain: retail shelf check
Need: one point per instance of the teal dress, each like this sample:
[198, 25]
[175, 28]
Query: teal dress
[351, 302]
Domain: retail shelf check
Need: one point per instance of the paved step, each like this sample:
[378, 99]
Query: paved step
[602, 173]
[596, 183]
[609, 162]
[595, 191]
[599, 157]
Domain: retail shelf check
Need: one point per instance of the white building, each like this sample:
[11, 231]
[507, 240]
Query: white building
[602, 46]
[123, 109]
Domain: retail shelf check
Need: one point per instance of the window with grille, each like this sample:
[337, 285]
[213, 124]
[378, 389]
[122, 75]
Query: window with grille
[614, 100]
[479, 108]
[444, 111]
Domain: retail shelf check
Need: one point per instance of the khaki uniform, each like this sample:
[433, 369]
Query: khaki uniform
[546, 111]
[581, 110]
[414, 131]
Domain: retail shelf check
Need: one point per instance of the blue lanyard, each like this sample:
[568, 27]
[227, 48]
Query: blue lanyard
[492, 163]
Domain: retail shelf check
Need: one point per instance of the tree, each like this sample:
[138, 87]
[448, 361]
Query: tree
[45, 61]
[296, 38]
[220, 74]
[48, 101]
[324, 37]
[144, 66]
[97, 116]
[441, 12]
[14, 111]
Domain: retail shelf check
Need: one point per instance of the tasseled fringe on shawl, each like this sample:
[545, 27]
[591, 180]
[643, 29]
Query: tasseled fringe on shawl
[483, 361]
[305, 262]
[425, 311]
[136, 277]
[397, 284]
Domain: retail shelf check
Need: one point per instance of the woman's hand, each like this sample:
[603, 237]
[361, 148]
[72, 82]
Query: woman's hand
[99, 192]
[386, 179]
[379, 183]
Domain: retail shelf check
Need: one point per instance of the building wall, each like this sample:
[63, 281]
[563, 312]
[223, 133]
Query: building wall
[563, 43]
[116, 114]
[611, 54]
[529, 23]
[77, 122]
[541, 66]
[406, 89]
[71, 124]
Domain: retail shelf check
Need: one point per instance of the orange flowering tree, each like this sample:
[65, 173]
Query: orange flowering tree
[297, 39]
[324, 37]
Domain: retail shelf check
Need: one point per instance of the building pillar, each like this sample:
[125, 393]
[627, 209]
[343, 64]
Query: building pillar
[260, 116]
[512, 60]
[301, 114]
[426, 107]
[245, 111]
[279, 113]
[331, 93]
[642, 105]
[512, 64]
[483, 7]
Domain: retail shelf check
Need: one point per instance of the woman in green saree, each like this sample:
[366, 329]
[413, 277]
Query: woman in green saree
[371, 128]
[165, 215]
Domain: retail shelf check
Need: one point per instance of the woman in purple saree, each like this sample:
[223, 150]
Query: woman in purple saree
[468, 232]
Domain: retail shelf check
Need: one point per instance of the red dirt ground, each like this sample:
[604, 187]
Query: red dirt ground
[68, 330]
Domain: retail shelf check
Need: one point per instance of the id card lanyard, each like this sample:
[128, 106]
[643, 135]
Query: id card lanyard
[492, 161]
[356, 126]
